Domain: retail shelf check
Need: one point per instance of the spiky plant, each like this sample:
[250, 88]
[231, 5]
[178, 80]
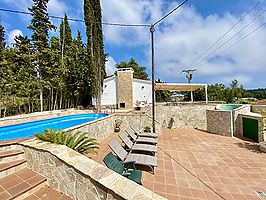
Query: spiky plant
[77, 141]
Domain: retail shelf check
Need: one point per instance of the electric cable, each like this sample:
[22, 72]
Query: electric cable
[77, 20]
[223, 35]
[157, 22]
[232, 37]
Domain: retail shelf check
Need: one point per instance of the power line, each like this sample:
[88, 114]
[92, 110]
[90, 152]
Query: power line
[240, 40]
[250, 33]
[223, 35]
[157, 22]
[233, 36]
[77, 20]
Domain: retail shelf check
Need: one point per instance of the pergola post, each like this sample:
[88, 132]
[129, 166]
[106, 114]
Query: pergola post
[206, 93]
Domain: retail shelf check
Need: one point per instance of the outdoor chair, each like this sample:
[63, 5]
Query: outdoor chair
[140, 159]
[139, 139]
[137, 147]
[114, 164]
[143, 134]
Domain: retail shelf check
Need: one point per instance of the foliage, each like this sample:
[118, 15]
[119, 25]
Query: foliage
[59, 68]
[162, 95]
[219, 92]
[95, 56]
[117, 123]
[77, 141]
[139, 71]
[147, 129]
[257, 93]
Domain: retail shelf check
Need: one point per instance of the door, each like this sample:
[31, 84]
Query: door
[250, 128]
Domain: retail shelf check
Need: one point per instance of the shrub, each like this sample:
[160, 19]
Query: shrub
[77, 141]
[147, 129]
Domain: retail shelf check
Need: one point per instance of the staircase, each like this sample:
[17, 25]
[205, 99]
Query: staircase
[19, 182]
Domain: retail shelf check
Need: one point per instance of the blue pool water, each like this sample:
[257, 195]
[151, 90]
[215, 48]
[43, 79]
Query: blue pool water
[28, 129]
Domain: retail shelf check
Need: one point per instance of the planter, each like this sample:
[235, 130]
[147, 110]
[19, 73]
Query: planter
[117, 129]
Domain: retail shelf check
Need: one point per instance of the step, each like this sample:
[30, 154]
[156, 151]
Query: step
[11, 155]
[21, 184]
[11, 167]
[48, 193]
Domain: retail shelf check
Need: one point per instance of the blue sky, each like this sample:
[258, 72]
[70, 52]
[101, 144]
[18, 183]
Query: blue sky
[179, 40]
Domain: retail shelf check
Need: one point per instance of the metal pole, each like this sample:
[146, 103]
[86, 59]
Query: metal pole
[152, 30]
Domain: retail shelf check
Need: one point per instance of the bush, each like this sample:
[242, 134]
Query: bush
[77, 141]
[147, 129]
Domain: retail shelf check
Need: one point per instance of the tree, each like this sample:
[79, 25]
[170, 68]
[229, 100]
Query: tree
[162, 95]
[40, 25]
[2, 38]
[139, 71]
[95, 51]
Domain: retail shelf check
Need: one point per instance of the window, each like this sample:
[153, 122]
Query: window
[122, 105]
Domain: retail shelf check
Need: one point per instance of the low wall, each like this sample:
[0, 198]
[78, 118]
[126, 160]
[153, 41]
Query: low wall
[219, 122]
[39, 116]
[78, 176]
[103, 127]
[258, 108]
[182, 116]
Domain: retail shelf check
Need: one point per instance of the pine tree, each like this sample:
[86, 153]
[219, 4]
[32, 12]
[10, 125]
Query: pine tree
[40, 25]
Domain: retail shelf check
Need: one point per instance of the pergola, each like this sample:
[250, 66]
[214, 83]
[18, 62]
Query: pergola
[183, 87]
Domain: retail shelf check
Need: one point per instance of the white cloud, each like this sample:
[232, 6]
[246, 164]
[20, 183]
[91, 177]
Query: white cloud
[186, 34]
[12, 34]
[56, 7]
[110, 66]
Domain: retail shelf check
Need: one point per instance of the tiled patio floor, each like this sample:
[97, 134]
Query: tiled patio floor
[193, 164]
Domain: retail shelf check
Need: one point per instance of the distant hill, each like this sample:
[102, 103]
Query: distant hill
[258, 93]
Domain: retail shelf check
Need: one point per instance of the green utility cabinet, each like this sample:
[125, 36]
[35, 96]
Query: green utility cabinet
[250, 128]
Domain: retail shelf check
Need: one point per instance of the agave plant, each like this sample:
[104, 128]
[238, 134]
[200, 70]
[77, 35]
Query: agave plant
[77, 141]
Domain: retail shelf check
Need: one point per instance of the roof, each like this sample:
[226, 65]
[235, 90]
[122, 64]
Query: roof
[179, 86]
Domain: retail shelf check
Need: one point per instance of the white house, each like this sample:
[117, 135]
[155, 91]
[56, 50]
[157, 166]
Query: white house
[125, 92]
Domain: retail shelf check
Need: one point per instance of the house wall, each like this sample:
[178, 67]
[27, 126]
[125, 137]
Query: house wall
[142, 91]
[109, 95]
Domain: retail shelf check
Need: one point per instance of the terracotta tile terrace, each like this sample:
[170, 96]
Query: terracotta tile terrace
[193, 164]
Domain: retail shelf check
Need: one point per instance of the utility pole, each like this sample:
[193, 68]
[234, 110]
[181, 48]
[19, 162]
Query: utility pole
[189, 74]
[152, 30]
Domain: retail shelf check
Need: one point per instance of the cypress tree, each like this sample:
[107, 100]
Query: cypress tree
[2, 38]
[96, 58]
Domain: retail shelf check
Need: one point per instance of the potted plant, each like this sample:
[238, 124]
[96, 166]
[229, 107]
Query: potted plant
[117, 125]
[147, 129]
[137, 105]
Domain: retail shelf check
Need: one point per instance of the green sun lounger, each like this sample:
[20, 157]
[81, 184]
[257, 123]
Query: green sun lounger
[139, 159]
[114, 164]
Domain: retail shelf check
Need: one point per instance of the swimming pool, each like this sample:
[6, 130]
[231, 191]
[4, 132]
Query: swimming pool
[28, 129]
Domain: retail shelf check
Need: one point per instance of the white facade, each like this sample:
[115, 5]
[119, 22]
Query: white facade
[142, 92]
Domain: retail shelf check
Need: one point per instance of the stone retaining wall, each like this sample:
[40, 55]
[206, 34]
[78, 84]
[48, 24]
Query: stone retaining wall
[103, 127]
[258, 108]
[17, 119]
[182, 116]
[220, 122]
[78, 176]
